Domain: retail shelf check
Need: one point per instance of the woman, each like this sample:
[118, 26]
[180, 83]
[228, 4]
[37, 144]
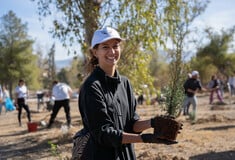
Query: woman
[21, 93]
[214, 86]
[107, 103]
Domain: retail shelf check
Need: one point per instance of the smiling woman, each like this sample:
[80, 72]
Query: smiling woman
[107, 106]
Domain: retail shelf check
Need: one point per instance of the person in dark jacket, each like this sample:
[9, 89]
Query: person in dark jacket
[191, 87]
[214, 86]
[107, 103]
[186, 108]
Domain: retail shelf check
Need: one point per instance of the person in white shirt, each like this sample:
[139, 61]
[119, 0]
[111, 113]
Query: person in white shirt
[21, 93]
[61, 93]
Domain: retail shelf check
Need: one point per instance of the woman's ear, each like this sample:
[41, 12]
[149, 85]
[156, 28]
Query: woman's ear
[94, 52]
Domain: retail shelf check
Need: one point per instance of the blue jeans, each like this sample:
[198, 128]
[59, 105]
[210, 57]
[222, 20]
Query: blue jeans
[232, 90]
[190, 100]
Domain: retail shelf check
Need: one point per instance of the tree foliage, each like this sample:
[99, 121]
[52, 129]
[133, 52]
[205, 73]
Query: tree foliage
[71, 75]
[79, 19]
[144, 24]
[180, 15]
[158, 67]
[51, 68]
[215, 53]
[17, 60]
[74, 73]
[62, 75]
[42, 65]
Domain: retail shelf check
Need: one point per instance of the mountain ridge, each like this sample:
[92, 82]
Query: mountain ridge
[64, 63]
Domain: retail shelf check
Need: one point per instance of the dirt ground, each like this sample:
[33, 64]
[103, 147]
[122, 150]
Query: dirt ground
[212, 137]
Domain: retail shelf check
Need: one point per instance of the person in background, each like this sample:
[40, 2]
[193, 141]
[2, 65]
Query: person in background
[140, 99]
[61, 93]
[186, 108]
[40, 99]
[5, 96]
[9, 106]
[191, 87]
[214, 86]
[21, 93]
[231, 82]
[107, 103]
[222, 84]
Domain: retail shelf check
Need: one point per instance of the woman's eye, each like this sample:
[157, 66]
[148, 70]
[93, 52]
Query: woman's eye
[115, 47]
[108, 47]
[105, 47]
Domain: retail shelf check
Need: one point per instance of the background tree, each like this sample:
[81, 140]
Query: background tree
[62, 75]
[159, 69]
[140, 22]
[74, 75]
[81, 18]
[71, 75]
[179, 19]
[214, 55]
[17, 59]
[41, 65]
[51, 68]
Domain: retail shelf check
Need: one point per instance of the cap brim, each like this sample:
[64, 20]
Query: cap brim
[107, 39]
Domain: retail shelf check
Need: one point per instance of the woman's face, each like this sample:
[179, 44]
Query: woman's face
[108, 53]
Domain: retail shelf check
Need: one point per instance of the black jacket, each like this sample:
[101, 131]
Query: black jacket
[108, 107]
[193, 84]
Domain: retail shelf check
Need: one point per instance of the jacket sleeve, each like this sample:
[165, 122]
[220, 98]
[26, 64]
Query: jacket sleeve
[100, 124]
[132, 107]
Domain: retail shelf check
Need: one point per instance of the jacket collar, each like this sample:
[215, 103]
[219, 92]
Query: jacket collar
[105, 78]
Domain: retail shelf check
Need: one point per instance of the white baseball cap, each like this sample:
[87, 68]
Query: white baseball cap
[194, 73]
[103, 35]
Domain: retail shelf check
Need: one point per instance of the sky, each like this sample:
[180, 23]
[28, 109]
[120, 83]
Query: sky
[219, 14]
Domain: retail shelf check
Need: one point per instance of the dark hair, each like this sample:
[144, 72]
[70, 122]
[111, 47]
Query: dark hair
[21, 80]
[92, 61]
[213, 77]
[55, 82]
